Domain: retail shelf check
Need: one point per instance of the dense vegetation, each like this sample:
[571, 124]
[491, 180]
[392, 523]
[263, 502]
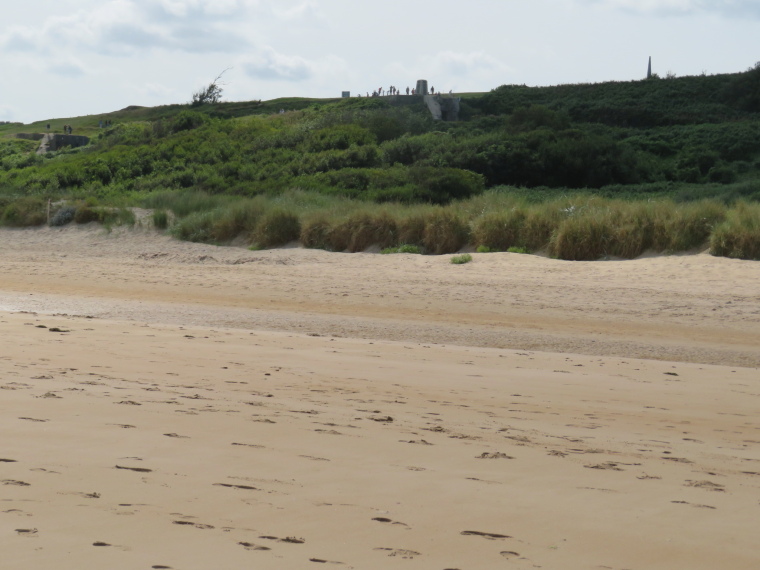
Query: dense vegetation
[676, 139]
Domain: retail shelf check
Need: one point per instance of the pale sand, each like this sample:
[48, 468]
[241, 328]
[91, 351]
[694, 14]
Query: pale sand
[347, 401]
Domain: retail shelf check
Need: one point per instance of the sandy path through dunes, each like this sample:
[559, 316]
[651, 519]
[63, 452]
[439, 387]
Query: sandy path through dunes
[691, 308]
[179, 406]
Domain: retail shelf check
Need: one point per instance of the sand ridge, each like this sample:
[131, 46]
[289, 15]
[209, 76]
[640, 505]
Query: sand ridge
[695, 308]
[185, 424]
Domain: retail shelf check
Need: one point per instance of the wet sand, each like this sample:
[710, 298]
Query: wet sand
[202, 407]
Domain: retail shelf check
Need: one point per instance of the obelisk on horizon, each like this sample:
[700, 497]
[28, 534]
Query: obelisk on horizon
[649, 69]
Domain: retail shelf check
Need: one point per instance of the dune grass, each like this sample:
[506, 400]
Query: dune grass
[577, 227]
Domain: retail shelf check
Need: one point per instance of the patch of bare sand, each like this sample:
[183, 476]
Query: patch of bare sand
[174, 431]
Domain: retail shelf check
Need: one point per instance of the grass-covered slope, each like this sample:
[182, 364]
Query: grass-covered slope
[677, 138]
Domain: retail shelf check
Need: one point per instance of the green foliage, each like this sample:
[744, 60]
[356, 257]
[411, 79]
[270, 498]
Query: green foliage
[25, 212]
[362, 230]
[406, 248]
[160, 219]
[518, 250]
[498, 231]
[64, 215]
[276, 228]
[445, 232]
[739, 235]
[461, 259]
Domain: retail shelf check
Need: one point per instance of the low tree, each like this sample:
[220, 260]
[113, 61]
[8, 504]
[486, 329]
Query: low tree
[210, 94]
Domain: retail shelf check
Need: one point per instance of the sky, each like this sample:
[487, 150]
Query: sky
[66, 58]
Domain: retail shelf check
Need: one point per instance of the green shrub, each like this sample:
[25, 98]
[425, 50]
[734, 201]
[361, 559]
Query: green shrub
[160, 219]
[411, 229]
[739, 235]
[110, 217]
[483, 249]
[276, 228]
[581, 238]
[315, 233]
[25, 212]
[461, 259]
[517, 250]
[406, 248]
[687, 226]
[86, 214]
[445, 232]
[362, 230]
[499, 231]
[63, 216]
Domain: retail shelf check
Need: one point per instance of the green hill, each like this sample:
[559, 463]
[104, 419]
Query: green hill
[680, 138]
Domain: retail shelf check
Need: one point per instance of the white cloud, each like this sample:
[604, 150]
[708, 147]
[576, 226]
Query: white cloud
[308, 10]
[731, 8]
[124, 27]
[269, 64]
[67, 68]
[6, 113]
[462, 64]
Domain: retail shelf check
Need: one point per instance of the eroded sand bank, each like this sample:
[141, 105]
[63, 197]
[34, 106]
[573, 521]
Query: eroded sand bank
[223, 408]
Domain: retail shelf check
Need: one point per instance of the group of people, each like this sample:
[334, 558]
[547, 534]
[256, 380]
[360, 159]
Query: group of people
[67, 129]
[395, 91]
[106, 123]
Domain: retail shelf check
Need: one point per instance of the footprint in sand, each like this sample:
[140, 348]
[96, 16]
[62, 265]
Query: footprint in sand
[509, 554]
[251, 546]
[287, 539]
[387, 520]
[488, 535]
[400, 552]
[16, 483]
[138, 469]
[495, 455]
[707, 485]
[195, 525]
[230, 486]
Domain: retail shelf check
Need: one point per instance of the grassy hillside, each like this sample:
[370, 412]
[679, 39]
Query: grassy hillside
[680, 139]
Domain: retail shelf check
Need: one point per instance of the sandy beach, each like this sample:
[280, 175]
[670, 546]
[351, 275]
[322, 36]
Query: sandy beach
[184, 406]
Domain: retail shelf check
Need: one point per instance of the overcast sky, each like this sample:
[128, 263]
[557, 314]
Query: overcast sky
[63, 58]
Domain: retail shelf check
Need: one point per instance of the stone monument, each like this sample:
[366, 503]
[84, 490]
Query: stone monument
[422, 87]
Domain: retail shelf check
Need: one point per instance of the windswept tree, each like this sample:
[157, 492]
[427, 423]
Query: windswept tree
[212, 93]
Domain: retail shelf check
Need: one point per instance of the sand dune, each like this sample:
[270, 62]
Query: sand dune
[174, 405]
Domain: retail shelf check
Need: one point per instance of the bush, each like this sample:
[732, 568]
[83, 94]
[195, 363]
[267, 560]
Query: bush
[63, 216]
[499, 231]
[445, 232]
[86, 214]
[315, 233]
[406, 248]
[362, 230]
[160, 219]
[739, 235]
[461, 259]
[276, 228]
[581, 238]
[25, 212]
[411, 230]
